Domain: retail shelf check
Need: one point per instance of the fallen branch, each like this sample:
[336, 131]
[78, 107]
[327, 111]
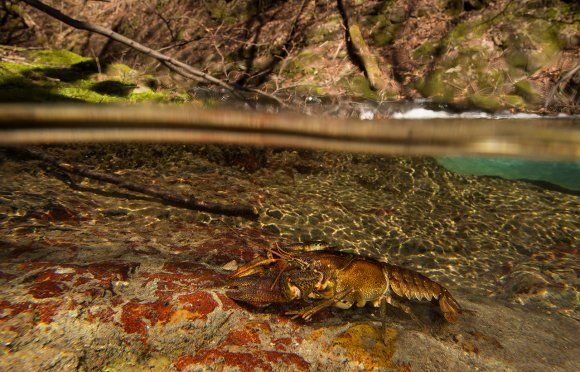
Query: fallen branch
[189, 202]
[359, 52]
[173, 64]
[563, 79]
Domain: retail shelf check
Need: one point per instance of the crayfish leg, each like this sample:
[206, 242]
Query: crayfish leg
[308, 312]
[449, 307]
[383, 315]
[399, 305]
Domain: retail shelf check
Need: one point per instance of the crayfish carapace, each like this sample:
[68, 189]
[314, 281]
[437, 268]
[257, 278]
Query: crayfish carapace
[317, 273]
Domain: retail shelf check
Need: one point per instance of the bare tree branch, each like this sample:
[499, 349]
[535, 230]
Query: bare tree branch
[173, 64]
[563, 79]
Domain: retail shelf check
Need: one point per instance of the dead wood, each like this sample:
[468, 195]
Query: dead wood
[175, 65]
[359, 52]
[560, 85]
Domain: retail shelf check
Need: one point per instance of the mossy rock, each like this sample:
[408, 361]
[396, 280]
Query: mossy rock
[486, 103]
[330, 30]
[384, 33]
[56, 57]
[525, 89]
[301, 63]
[518, 59]
[514, 101]
[426, 50]
[120, 71]
[68, 77]
[359, 86]
[433, 86]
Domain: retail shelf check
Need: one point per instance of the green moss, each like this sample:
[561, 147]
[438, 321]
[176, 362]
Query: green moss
[430, 85]
[486, 103]
[359, 87]
[229, 12]
[525, 89]
[490, 79]
[160, 97]
[119, 70]
[513, 101]
[84, 95]
[426, 50]
[301, 64]
[384, 32]
[311, 89]
[518, 59]
[13, 8]
[327, 31]
[56, 57]
[70, 78]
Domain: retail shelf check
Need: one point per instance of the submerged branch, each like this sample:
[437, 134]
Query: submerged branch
[189, 202]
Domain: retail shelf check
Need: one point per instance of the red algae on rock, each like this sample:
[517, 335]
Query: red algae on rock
[200, 304]
[138, 317]
[244, 361]
[47, 289]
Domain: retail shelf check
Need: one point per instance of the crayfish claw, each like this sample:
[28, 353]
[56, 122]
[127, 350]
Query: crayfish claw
[258, 290]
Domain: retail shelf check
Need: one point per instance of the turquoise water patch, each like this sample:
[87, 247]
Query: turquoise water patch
[563, 174]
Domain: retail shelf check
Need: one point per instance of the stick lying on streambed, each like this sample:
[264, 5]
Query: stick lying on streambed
[189, 202]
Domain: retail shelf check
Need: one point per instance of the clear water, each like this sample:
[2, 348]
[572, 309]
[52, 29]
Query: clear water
[563, 174]
[504, 246]
[482, 234]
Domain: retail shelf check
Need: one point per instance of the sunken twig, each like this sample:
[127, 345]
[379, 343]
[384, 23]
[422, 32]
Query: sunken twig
[189, 202]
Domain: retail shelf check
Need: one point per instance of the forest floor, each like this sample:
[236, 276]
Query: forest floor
[496, 56]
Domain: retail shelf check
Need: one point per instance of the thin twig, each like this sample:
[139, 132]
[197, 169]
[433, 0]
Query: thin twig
[562, 79]
[171, 63]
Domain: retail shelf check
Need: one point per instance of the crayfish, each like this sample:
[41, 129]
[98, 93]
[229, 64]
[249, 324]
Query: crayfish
[324, 276]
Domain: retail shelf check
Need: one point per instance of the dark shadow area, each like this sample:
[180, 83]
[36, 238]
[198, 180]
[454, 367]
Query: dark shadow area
[256, 78]
[18, 89]
[352, 55]
[546, 185]
[250, 53]
[70, 74]
[551, 186]
[113, 88]
[41, 84]
[13, 28]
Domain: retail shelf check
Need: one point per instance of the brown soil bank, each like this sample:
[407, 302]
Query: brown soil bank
[505, 54]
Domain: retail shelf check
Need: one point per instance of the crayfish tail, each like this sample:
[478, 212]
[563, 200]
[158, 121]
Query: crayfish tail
[449, 306]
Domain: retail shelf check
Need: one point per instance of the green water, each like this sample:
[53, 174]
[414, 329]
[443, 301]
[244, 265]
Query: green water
[563, 174]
